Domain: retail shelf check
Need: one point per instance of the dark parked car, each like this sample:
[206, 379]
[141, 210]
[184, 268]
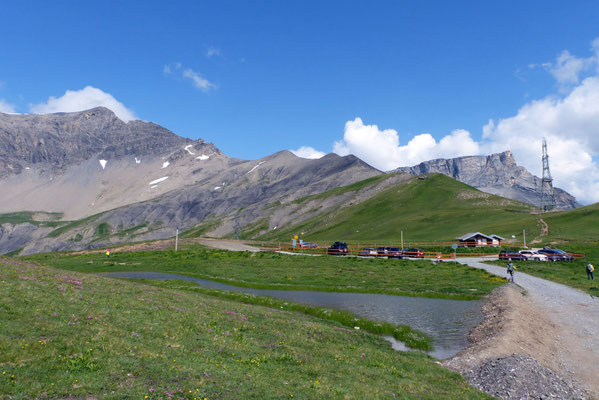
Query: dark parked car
[418, 253]
[389, 252]
[338, 249]
[556, 255]
[510, 255]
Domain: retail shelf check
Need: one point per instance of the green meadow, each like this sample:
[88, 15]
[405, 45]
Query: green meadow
[269, 270]
[68, 334]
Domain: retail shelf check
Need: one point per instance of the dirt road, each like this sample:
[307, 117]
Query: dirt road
[552, 323]
[225, 244]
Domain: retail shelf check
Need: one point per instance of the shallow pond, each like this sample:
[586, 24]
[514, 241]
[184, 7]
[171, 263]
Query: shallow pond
[448, 322]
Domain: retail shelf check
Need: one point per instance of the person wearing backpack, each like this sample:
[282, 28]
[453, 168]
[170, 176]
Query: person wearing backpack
[510, 270]
[590, 270]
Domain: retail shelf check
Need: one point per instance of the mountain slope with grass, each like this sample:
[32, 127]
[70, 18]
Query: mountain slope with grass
[579, 224]
[496, 174]
[432, 207]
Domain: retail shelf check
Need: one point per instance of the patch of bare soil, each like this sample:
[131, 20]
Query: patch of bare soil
[227, 244]
[514, 329]
[544, 227]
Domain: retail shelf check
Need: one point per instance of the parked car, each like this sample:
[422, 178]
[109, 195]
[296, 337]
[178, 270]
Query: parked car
[531, 255]
[389, 252]
[338, 249]
[417, 253]
[556, 255]
[510, 255]
[368, 252]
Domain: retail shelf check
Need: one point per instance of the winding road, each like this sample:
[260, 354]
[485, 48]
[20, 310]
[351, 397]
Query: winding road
[575, 313]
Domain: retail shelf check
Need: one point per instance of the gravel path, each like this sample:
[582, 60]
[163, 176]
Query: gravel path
[575, 313]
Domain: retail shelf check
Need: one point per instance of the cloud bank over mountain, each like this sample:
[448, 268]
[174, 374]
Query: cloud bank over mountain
[84, 99]
[569, 121]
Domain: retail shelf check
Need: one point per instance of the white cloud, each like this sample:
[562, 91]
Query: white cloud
[6, 107]
[571, 127]
[308, 152]
[213, 52]
[567, 68]
[382, 150]
[84, 99]
[176, 70]
[198, 81]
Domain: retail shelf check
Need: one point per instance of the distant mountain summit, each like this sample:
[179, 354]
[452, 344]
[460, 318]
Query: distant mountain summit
[496, 174]
[62, 139]
[122, 182]
[139, 177]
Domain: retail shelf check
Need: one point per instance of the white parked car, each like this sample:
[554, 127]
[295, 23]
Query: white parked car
[531, 255]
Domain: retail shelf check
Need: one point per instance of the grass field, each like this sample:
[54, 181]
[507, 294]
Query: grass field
[581, 224]
[278, 271]
[72, 335]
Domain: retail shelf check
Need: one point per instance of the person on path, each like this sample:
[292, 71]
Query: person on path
[107, 253]
[590, 270]
[510, 270]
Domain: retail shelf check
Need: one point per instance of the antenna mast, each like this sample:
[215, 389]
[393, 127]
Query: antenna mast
[547, 193]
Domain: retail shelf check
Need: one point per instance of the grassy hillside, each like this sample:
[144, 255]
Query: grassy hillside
[73, 335]
[431, 209]
[39, 218]
[579, 224]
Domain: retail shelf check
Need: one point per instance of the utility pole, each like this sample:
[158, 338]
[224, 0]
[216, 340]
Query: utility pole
[524, 236]
[547, 194]
[402, 240]
[177, 239]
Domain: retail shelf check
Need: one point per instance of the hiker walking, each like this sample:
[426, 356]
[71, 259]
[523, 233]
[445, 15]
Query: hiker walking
[107, 253]
[510, 270]
[590, 270]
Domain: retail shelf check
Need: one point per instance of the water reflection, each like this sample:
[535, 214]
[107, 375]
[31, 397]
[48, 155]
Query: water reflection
[448, 322]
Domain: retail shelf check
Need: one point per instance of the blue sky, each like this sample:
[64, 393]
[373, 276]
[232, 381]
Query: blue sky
[259, 77]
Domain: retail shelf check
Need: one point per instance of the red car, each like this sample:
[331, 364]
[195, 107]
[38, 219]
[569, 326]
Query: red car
[416, 253]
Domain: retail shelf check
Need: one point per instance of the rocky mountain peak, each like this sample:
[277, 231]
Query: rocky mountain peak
[496, 174]
[61, 139]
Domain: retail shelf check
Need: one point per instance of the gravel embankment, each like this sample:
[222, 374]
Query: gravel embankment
[521, 377]
[573, 359]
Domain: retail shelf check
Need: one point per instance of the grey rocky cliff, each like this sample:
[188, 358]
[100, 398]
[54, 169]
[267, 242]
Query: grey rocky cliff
[496, 174]
[63, 139]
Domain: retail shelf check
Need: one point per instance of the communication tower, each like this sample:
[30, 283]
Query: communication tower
[547, 193]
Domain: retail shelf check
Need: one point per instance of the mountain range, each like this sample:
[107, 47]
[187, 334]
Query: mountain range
[88, 179]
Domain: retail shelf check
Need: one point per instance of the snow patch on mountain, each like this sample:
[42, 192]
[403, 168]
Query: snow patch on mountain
[189, 151]
[164, 178]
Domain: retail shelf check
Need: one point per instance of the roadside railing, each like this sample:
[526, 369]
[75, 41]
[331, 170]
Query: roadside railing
[365, 249]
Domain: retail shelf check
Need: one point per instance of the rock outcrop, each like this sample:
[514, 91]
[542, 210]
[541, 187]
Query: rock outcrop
[496, 174]
[60, 140]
